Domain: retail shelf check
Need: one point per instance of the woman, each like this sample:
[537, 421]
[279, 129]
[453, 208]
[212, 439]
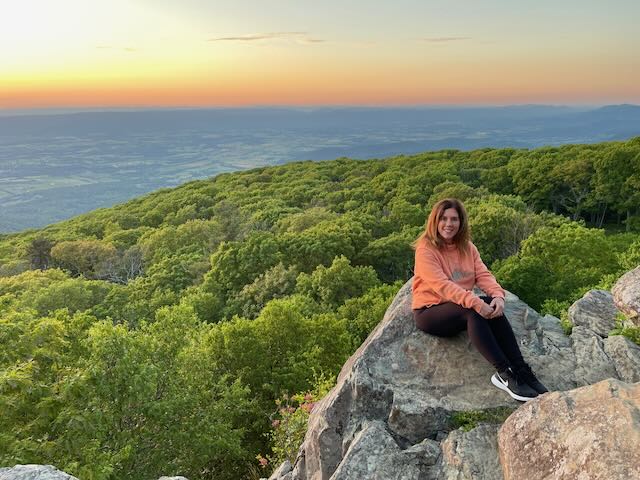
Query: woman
[447, 266]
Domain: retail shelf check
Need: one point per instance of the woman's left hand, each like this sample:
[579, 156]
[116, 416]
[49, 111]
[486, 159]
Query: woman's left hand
[498, 307]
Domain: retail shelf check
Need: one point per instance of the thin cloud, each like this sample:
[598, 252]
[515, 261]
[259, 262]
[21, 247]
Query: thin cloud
[299, 37]
[445, 39]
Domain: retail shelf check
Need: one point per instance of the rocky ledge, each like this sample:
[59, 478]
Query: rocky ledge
[391, 414]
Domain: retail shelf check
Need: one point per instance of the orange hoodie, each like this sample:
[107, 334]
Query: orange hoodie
[446, 275]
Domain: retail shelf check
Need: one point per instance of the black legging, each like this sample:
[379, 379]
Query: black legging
[492, 337]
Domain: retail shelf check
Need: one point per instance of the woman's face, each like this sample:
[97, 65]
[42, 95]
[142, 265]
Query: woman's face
[449, 224]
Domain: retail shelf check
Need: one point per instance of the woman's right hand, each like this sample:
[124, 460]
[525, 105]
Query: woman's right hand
[486, 311]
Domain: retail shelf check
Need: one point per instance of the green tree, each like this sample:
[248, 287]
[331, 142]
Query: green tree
[331, 286]
[320, 244]
[236, 264]
[39, 253]
[391, 256]
[500, 223]
[83, 257]
[617, 178]
[277, 282]
[556, 262]
[363, 313]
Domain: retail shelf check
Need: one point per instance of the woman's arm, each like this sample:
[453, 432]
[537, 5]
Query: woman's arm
[484, 278]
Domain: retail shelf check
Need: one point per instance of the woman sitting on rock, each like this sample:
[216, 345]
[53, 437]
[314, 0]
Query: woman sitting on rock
[447, 267]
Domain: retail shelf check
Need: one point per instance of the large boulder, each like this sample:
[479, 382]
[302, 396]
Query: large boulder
[396, 396]
[591, 432]
[626, 295]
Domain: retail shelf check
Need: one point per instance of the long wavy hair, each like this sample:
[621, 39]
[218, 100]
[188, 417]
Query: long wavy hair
[430, 234]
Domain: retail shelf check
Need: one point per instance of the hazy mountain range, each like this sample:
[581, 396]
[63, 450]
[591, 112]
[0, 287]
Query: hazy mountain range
[56, 165]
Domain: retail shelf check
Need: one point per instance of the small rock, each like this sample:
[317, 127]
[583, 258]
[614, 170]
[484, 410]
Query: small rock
[592, 363]
[281, 471]
[471, 455]
[596, 311]
[625, 356]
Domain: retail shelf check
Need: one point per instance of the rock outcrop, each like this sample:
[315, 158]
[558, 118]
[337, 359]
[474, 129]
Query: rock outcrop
[591, 432]
[626, 294]
[45, 472]
[390, 414]
[34, 472]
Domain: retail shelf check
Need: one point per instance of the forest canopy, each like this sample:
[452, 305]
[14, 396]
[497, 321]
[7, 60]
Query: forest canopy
[155, 337]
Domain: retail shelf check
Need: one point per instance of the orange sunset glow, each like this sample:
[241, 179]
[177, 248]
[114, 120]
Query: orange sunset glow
[125, 53]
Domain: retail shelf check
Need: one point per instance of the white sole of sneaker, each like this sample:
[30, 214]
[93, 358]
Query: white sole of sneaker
[502, 386]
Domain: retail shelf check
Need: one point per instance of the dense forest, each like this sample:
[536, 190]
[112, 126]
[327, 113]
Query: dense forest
[180, 332]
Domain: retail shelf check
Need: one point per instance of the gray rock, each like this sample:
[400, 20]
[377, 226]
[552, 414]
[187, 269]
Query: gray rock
[374, 455]
[592, 362]
[173, 478]
[626, 295]
[625, 356]
[471, 455]
[596, 311]
[34, 472]
[591, 433]
[366, 454]
[553, 330]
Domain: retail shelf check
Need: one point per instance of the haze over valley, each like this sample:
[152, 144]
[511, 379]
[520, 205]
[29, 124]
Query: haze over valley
[54, 166]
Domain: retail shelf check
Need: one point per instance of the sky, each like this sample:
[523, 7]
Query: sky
[212, 53]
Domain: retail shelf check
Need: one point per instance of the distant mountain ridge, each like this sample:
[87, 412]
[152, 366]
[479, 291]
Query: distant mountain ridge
[227, 118]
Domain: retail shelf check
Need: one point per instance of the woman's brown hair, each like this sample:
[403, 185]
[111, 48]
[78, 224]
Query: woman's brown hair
[430, 234]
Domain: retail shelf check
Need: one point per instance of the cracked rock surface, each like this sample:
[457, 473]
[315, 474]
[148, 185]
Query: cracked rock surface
[591, 432]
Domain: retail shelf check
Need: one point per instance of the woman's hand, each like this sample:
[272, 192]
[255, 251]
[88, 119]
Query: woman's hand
[497, 305]
[486, 311]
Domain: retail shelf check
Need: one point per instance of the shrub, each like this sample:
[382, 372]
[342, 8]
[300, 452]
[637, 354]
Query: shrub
[289, 422]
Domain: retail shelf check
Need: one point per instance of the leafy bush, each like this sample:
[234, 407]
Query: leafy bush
[626, 329]
[289, 422]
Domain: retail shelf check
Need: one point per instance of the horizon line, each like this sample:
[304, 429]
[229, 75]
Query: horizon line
[133, 108]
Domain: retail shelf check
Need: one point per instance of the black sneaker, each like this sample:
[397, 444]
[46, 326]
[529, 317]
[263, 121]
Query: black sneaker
[509, 381]
[526, 374]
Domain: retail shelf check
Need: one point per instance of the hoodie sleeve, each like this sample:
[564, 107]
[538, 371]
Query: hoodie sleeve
[429, 268]
[484, 278]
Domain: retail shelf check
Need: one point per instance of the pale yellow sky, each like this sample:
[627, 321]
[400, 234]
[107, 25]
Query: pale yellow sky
[106, 53]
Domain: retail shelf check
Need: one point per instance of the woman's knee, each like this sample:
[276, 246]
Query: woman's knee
[436, 326]
[473, 317]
